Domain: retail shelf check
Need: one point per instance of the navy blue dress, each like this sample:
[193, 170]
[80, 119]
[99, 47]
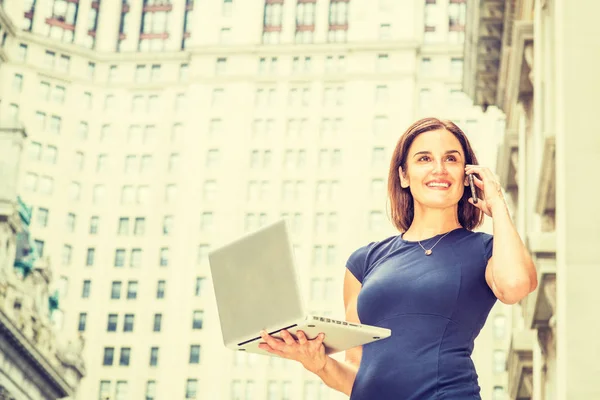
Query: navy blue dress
[435, 306]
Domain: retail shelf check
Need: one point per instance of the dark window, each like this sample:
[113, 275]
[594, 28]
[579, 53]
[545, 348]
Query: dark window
[157, 322]
[125, 354]
[199, 285]
[85, 291]
[115, 290]
[82, 322]
[123, 226]
[119, 257]
[160, 289]
[140, 226]
[109, 353]
[91, 253]
[112, 322]
[128, 325]
[191, 388]
[195, 354]
[154, 356]
[94, 225]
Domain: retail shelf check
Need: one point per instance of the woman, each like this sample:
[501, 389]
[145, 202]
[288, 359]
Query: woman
[433, 285]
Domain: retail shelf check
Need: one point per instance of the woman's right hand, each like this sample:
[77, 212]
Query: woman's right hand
[310, 353]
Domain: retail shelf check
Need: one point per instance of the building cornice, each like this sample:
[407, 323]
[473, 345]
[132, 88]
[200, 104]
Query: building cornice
[11, 335]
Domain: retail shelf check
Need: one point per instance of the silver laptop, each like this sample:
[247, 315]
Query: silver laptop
[256, 288]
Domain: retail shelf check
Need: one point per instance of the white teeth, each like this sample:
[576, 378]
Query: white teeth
[438, 184]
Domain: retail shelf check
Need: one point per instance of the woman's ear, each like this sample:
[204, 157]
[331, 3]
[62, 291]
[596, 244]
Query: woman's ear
[466, 180]
[404, 181]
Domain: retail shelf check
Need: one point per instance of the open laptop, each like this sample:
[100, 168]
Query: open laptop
[256, 288]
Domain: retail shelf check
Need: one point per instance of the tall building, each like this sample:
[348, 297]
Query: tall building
[537, 61]
[161, 129]
[35, 362]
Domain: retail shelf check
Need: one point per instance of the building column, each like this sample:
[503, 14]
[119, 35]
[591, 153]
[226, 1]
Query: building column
[107, 31]
[577, 216]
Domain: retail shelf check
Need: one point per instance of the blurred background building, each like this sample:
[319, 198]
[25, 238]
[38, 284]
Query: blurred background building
[161, 129]
[35, 361]
[537, 61]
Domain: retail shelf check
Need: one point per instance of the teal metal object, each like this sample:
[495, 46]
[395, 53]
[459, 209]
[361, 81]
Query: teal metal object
[26, 253]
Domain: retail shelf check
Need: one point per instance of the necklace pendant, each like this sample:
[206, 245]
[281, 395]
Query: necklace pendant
[428, 252]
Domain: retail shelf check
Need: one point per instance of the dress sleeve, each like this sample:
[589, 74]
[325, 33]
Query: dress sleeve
[357, 262]
[488, 246]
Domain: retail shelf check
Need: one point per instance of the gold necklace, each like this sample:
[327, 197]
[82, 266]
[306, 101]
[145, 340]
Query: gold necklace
[428, 252]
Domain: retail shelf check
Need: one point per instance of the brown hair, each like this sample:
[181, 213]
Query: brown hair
[401, 200]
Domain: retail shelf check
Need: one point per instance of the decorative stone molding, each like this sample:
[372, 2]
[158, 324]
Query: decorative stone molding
[546, 194]
[520, 365]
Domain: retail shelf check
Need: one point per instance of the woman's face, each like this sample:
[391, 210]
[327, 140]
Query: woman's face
[435, 169]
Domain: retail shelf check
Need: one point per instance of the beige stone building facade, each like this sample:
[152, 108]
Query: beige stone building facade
[537, 60]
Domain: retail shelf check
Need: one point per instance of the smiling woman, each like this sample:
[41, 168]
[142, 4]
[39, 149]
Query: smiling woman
[433, 285]
[428, 149]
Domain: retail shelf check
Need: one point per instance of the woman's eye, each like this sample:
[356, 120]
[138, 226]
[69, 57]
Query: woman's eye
[451, 158]
[424, 158]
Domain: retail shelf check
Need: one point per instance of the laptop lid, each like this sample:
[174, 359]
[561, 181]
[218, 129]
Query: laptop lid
[255, 282]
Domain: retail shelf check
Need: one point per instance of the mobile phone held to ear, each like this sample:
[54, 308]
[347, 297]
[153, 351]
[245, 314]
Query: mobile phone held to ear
[473, 191]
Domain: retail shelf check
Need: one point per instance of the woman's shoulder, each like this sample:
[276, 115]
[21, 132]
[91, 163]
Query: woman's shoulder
[362, 257]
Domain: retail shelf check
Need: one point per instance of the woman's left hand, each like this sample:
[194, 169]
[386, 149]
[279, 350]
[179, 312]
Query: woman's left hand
[487, 182]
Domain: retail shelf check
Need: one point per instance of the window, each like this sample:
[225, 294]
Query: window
[128, 324]
[94, 220]
[173, 162]
[109, 353]
[104, 392]
[98, 194]
[151, 390]
[54, 127]
[140, 226]
[385, 32]
[17, 83]
[66, 254]
[164, 257]
[132, 288]
[136, 258]
[184, 72]
[170, 193]
[227, 8]
[123, 228]
[221, 66]
[82, 322]
[206, 221]
[39, 247]
[58, 94]
[111, 325]
[121, 391]
[499, 326]
[200, 281]
[167, 225]
[212, 158]
[375, 220]
[89, 259]
[42, 216]
[499, 361]
[160, 289]
[115, 291]
[381, 94]
[498, 393]
[124, 357]
[22, 52]
[13, 112]
[378, 156]
[85, 291]
[456, 67]
[153, 356]
[198, 319]
[195, 354]
[46, 185]
[119, 257]
[191, 388]
[74, 191]
[157, 325]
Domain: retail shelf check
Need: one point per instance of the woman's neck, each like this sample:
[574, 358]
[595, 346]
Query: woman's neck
[431, 223]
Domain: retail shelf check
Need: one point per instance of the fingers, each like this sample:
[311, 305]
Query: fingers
[271, 341]
[287, 338]
[302, 339]
[320, 338]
